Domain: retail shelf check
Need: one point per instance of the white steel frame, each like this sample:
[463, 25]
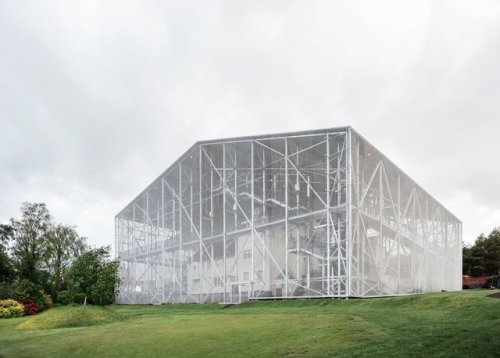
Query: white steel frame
[308, 214]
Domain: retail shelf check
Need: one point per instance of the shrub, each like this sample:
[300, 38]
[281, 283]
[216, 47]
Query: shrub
[79, 298]
[27, 290]
[31, 307]
[6, 290]
[10, 308]
[65, 297]
[47, 301]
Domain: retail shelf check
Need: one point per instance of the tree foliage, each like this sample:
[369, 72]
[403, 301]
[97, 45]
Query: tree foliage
[95, 276]
[26, 291]
[64, 245]
[7, 272]
[29, 237]
[38, 256]
[483, 258]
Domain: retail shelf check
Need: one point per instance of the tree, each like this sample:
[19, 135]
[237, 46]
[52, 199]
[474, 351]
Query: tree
[467, 260]
[490, 248]
[94, 276]
[6, 267]
[106, 287]
[29, 241]
[64, 245]
[483, 258]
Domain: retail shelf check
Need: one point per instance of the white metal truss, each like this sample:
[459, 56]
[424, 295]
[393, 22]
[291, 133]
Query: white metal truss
[310, 214]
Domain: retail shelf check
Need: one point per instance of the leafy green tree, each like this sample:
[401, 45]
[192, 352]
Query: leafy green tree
[95, 276]
[106, 287]
[490, 248]
[467, 260]
[29, 237]
[64, 245]
[483, 258]
[6, 266]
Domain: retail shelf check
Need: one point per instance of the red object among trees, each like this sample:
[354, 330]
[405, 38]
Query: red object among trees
[31, 307]
[474, 281]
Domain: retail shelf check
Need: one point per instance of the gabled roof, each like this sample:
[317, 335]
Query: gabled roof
[235, 139]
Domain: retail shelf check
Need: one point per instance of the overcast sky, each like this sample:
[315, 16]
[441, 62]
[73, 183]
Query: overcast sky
[97, 98]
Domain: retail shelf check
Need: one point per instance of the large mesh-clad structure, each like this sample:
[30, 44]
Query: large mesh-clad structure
[309, 214]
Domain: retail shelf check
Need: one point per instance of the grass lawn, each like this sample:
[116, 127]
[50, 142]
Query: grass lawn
[441, 324]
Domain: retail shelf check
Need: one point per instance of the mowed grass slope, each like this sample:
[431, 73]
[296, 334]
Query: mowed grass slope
[442, 324]
[68, 317]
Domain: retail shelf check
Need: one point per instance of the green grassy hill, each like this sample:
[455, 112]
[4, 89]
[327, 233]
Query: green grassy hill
[442, 324]
[68, 317]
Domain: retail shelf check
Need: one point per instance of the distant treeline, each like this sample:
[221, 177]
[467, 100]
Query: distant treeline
[483, 258]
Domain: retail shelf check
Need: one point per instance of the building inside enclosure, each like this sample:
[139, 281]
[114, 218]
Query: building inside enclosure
[309, 214]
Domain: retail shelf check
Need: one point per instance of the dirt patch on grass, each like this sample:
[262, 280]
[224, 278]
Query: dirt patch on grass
[494, 295]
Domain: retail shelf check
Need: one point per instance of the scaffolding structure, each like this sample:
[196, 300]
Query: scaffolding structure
[309, 214]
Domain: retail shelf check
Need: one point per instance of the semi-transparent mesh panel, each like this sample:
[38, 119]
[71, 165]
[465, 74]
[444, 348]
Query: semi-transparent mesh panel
[403, 240]
[273, 217]
[261, 217]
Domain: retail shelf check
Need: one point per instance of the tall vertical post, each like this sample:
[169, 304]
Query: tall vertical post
[328, 234]
[264, 181]
[264, 210]
[212, 202]
[148, 243]
[191, 190]
[360, 241]
[235, 206]
[414, 232]
[348, 257]
[252, 179]
[399, 233]
[380, 247]
[286, 218]
[117, 250]
[174, 235]
[134, 244]
[297, 182]
[297, 204]
[162, 204]
[200, 159]
[181, 253]
[460, 253]
[224, 216]
[163, 239]
[341, 256]
[235, 217]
